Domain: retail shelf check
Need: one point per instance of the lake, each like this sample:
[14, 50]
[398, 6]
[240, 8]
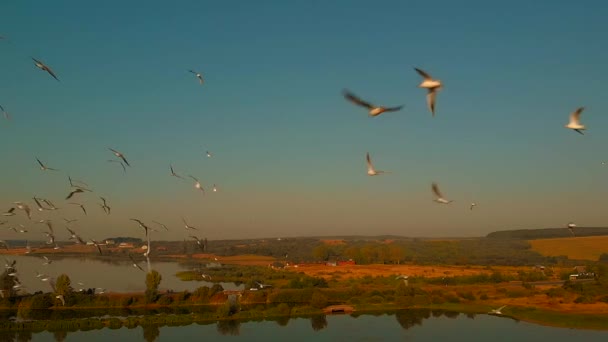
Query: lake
[411, 325]
[114, 276]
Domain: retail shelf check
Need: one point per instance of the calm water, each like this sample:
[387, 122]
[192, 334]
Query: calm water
[389, 327]
[112, 276]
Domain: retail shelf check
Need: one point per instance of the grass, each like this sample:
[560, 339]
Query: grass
[580, 248]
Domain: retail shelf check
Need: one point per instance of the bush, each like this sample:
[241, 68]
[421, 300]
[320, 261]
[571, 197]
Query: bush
[318, 300]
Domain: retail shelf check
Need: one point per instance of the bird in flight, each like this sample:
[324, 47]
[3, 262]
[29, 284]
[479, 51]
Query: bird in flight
[97, 244]
[497, 311]
[209, 155]
[44, 167]
[198, 75]
[24, 207]
[214, 188]
[571, 227]
[197, 184]
[373, 110]
[119, 155]
[60, 297]
[575, 121]
[6, 114]
[43, 67]
[200, 243]
[105, 206]
[47, 261]
[74, 192]
[173, 172]
[135, 263]
[371, 171]
[81, 207]
[439, 197]
[10, 212]
[432, 86]
[473, 205]
[141, 224]
[187, 225]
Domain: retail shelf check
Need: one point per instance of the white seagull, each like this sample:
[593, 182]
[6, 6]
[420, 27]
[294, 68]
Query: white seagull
[497, 311]
[198, 75]
[197, 184]
[432, 86]
[571, 227]
[119, 155]
[575, 121]
[439, 197]
[473, 205]
[7, 115]
[371, 171]
[373, 110]
[43, 67]
[187, 225]
[44, 167]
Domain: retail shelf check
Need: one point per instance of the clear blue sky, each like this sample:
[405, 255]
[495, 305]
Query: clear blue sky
[289, 150]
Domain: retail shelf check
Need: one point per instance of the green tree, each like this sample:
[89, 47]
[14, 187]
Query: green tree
[318, 300]
[63, 287]
[153, 279]
[321, 252]
[396, 253]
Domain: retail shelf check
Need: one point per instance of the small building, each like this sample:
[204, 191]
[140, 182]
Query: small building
[573, 277]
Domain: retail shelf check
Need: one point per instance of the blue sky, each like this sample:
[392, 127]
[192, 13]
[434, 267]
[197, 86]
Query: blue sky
[289, 151]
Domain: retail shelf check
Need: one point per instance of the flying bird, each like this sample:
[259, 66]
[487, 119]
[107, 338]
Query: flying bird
[104, 206]
[571, 227]
[38, 204]
[74, 192]
[43, 67]
[135, 263]
[214, 188]
[98, 245]
[60, 297]
[44, 167]
[162, 225]
[199, 243]
[432, 86]
[371, 171]
[439, 197]
[173, 172]
[69, 221]
[24, 207]
[198, 75]
[142, 225]
[47, 261]
[197, 184]
[6, 114]
[209, 155]
[575, 121]
[373, 110]
[497, 311]
[10, 212]
[120, 155]
[81, 207]
[188, 226]
[473, 205]
[50, 204]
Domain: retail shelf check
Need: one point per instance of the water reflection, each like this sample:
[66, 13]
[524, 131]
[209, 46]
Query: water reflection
[318, 322]
[151, 332]
[230, 327]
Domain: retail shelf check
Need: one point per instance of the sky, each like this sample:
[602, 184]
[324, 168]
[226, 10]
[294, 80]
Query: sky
[288, 149]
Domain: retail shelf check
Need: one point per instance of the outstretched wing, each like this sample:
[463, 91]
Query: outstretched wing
[436, 191]
[575, 117]
[370, 167]
[356, 100]
[425, 75]
[393, 109]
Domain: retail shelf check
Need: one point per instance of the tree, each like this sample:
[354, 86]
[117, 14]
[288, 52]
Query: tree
[153, 279]
[321, 252]
[396, 253]
[63, 287]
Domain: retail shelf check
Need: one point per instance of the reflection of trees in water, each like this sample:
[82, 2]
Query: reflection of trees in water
[451, 314]
[471, 315]
[318, 322]
[24, 336]
[60, 335]
[282, 321]
[151, 332]
[410, 318]
[7, 335]
[229, 327]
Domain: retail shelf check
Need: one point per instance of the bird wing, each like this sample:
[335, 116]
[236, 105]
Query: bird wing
[425, 75]
[435, 188]
[354, 99]
[50, 72]
[370, 167]
[393, 109]
[576, 115]
[502, 307]
[194, 72]
[430, 100]
[125, 160]
[41, 165]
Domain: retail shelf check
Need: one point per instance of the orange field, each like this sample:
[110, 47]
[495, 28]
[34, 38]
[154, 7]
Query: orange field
[583, 248]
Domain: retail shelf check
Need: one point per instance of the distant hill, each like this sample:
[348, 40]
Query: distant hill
[547, 233]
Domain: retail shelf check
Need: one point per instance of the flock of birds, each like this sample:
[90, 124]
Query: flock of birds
[432, 86]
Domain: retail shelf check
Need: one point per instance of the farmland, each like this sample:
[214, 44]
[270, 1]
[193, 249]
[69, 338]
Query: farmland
[580, 248]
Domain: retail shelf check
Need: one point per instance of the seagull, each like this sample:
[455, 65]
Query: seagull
[41, 66]
[373, 110]
[39, 275]
[370, 167]
[497, 311]
[7, 115]
[120, 155]
[2, 242]
[74, 192]
[44, 167]
[28, 248]
[99, 290]
[10, 212]
[440, 198]
[208, 154]
[401, 276]
[81, 207]
[24, 207]
[198, 184]
[198, 75]
[40, 207]
[69, 221]
[199, 243]
[135, 263]
[432, 85]
[74, 185]
[47, 261]
[72, 233]
[97, 244]
[173, 172]
[60, 297]
[124, 169]
[214, 188]
[188, 226]
[472, 206]
[575, 122]
[162, 225]
[571, 227]
[50, 204]
[22, 230]
[205, 276]
[104, 206]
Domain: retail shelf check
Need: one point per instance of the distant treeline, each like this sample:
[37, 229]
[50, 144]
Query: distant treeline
[547, 233]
